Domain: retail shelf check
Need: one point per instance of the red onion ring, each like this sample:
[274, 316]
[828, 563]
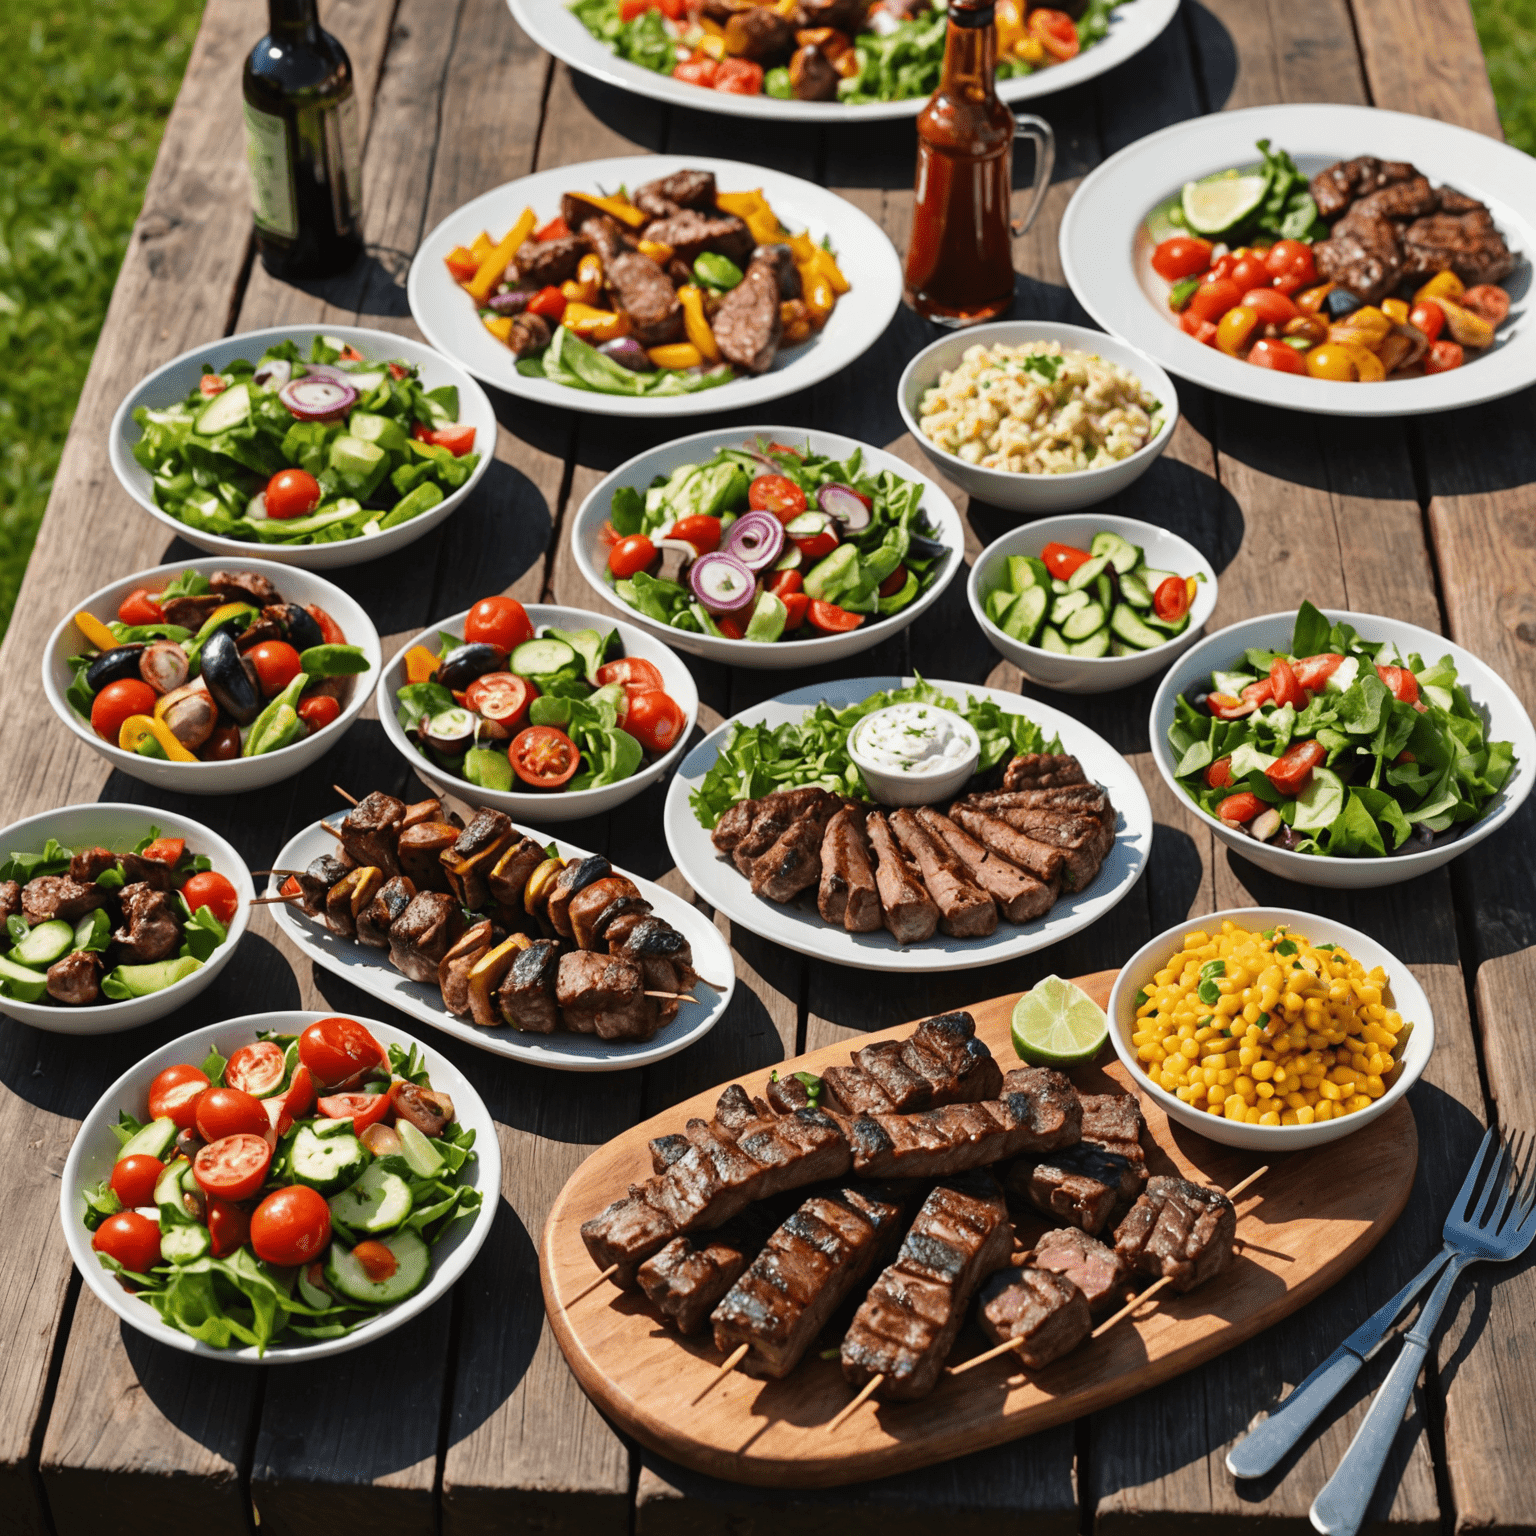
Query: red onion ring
[722, 583]
[315, 399]
[756, 539]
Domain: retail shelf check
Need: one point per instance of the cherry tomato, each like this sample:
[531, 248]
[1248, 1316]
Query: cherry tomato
[785, 583]
[544, 757]
[607, 535]
[225, 1112]
[133, 1178]
[291, 1225]
[1062, 559]
[335, 1049]
[318, 711]
[165, 850]
[1259, 693]
[1268, 353]
[1313, 671]
[1235, 330]
[732, 629]
[1219, 774]
[1213, 298]
[655, 720]
[893, 583]
[133, 1240]
[556, 229]
[116, 702]
[1226, 706]
[349, 354]
[210, 889]
[330, 631]
[1240, 807]
[1332, 361]
[1291, 773]
[633, 672]
[1290, 265]
[222, 747]
[631, 555]
[300, 1098]
[795, 605]
[1283, 685]
[698, 70]
[256, 1069]
[234, 1168]
[276, 663]
[831, 619]
[1171, 600]
[700, 531]
[174, 1094]
[629, 10]
[228, 1226]
[375, 1260]
[1181, 256]
[1488, 301]
[503, 697]
[1056, 32]
[549, 302]
[140, 607]
[1441, 358]
[1248, 272]
[362, 1109]
[1428, 317]
[1402, 683]
[1272, 308]
[777, 494]
[740, 77]
[458, 439]
[292, 493]
[211, 384]
[818, 546]
[1202, 330]
[500, 622]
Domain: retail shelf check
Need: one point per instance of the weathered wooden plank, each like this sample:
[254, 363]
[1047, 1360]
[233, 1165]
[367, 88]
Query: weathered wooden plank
[1423, 56]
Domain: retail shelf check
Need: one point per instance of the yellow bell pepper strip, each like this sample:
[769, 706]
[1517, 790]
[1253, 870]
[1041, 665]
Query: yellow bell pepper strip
[495, 265]
[136, 728]
[1396, 310]
[1368, 366]
[658, 250]
[420, 665]
[587, 284]
[1367, 326]
[753, 211]
[696, 322]
[1030, 50]
[481, 248]
[500, 326]
[712, 45]
[620, 207]
[680, 354]
[1443, 285]
[827, 265]
[1470, 329]
[817, 293]
[594, 324]
[95, 631]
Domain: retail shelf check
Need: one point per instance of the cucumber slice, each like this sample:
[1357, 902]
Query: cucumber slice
[154, 1139]
[1051, 640]
[1097, 644]
[378, 1202]
[413, 1260]
[157, 975]
[998, 602]
[1127, 625]
[1068, 604]
[224, 411]
[25, 985]
[1154, 579]
[332, 1127]
[169, 1188]
[1058, 586]
[46, 943]
[1104, 591]
[327, 1163]
[313, 1295]
[1025, 571]
[418, 1151]
[533, 658]
[1134, 590]
[183, 1241]
[1177, 627]
[1120, 553]
[1086, 572]
[1118, 647]
[1088, 620]
[1026, 615]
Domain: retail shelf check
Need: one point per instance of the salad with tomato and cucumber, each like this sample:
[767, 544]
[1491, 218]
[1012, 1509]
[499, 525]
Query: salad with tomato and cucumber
[766, 542]
[1337, 747]
[509, 708]
[287, 1193]
[296, 450]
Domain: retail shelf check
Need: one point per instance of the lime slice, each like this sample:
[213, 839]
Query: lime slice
[1058, 1025]
[1214, 206]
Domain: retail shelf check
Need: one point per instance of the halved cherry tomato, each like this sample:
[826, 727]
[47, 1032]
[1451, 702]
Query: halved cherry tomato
[140, 607]
[276, 663]
[1428, 317]
[1259, 693]
[655, 720]
[116, 702]
[133, 1240]
[700, 531]
[1291, 773]
[503, 697]
[211, 384]
[1441, 358]
[784, 584]
[739, 77]
[133, 1178]
[500, 622]
[1181, 256]
[1219, 774]
[174, 1094]
[1235, 330]
[1268, 353]
[1272, 307]
[631, 555]
[330, 630]
[458, 439]
[336, 1049]
[893, 583]
[1240, 807]
[349, 354]
[831, 619]
[234, 1167]
[549, 302]
[165, 850]
[375, 1260]
[777, 494]
[1487, 301]
[318, 711]
[700, 69]
[1062, 559]
[632, 673]
[212, 890]
[1171, 600]
[290, 887]
[1226, 706]
[223, 746]
[556, 229]
[732, 629]
[292, 493]
[795, 605]
[362, 1109]
[1213, 298]
[228, 1226]
[257, 1068]
[1403, 684]
[1284, 687]
[398, 370]
[1313, 671]
[543, 757]
[300, 1098]
[225, 1112]
[1056, 32]
[818, 546]
[291, 1225]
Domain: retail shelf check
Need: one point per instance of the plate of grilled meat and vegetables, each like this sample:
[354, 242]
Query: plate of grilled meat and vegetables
[1350, 246]
[739, 1321]
[906, 825]
[522, 945]
[655, 285]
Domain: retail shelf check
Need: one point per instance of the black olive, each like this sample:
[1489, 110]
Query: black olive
[233, 688]
[927, 549]
[464, 663]
[299, 626]
[113, 666]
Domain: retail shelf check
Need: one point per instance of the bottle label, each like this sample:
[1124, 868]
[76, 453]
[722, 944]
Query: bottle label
[271, 167]
[344, 154]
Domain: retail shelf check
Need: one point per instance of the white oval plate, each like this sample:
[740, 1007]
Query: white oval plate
[781, 654]
[1132, 27]
[801, 929]
[563, 1051]
[1106, 251]
[179, 377]
[448, 318]
[95, 1150]
[551, 807]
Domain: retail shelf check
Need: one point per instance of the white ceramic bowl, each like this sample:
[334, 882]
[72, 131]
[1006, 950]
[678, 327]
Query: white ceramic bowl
[95, 1149]
[1165, 551]
[177, 378]
[242, 773]
[529, 805]
[119, 827]
[1491, 696]
[894, 788]
[1403, 993]
[1037, 495]
[782, 655]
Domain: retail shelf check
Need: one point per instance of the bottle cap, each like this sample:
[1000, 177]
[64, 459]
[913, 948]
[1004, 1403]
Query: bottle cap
[972, 13]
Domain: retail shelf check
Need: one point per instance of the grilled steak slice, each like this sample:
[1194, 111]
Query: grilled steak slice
[847, 895]
[1043, 1308]
[685, 1280]
[682, 189]
[842, 15]
[1400, 201]
[510, 872]
[604, 995]
[1180, 1230]
[1080, 838]
[774, 816]
[748, 326]
[885, 1064]
[376, 919]
[75, 980]
[804, 1271]
[793, 863]
[1113, 1120]
[782, 259]
[1093, 1267]
[526, 996]
[630, 1230]
[645, 293]
[1020, 897]
[475, 853]
[1465, 241]
[691, 233]
[588, 905]
[1035, 858]
[907, 908]
[965, 910]
[666, 1150]
[86, 865]
[316, 881]
[454, 968]
[788, 1093]
[734, 824]
[547, 263]
[422, 934]
[852, 1091]
[370, 831]
[761, 35]
[1334, 189]
[958, 1067]
[1080, 799]
[189, 612]
[1043, 770]
[58, 896]
[151, 927]
[1082, 1185]
[908, 1322]
[1363, 254]
[243, 587]
[421, 851]
[529, 334]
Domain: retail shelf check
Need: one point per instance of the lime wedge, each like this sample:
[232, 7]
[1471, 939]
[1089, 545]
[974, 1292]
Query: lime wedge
[1215, 205]
[1058, 1025]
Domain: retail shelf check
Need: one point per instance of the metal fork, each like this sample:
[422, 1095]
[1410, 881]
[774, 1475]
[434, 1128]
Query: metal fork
[1499, 1230]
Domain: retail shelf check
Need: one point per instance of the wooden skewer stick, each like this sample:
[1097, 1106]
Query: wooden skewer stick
[682, 997]
[293, 872]
[332, 830]
[868, 1390]
[587, 1290]
[989, 1354]
[730, 1363]
[344, 795]
[1130, 1306]
[281, 901]
[1242, 1184]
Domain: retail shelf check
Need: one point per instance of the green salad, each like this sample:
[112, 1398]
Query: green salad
[1339, 746]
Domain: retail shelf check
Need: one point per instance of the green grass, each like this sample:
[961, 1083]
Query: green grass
[1507, 31]
[84, 94]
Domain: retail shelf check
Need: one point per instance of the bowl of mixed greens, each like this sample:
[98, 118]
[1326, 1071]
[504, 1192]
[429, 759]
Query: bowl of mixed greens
[769, 547]
[316, 446]
[1341, 749]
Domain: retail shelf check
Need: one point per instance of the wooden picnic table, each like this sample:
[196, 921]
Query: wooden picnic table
[467, 1420]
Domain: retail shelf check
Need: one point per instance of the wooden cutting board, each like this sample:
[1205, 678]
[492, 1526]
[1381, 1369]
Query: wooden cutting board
[1308, 1221]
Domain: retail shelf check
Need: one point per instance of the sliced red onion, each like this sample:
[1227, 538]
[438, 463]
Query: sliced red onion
[312, 399]
[845, 504]
[256, 507]
[756, 539]
[511, 303]
[325, 371]
[681, 546]
[366, 381]
[722, 583]
[768, 466]
[273, 373]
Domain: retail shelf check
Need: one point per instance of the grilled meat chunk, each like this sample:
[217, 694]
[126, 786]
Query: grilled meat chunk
[422, 934]
[812, 75]
[370, 831]
[760, 34]
[885, 1063]
[691, 233]
[965, 910]
[844, 15]
[666, 1150]
[243, 587]
[376, 919]
[1080, 799]
[155, 873]
[905, 905]
[316, 881]
[1043, 770]
[350, 897]
[1082, 840]
[454, 968]
[1040, 1306]
[847, 895]
[665, 959]
[1464, 240]
[75, 980]
[1113, 1121]
[782, 259]
[475, 853]
[908, 1322]
[1093, 1267]
[546, 263]
[510, 872]
[748, 837]
[604, 995]
[420, 853]
[151, 928]
[1179, 1230]
[10, 899]
[685, 1280]
[526, 996]
[852, 1091]
[1363, 254]
[58, 896]
[1045, 863]
[958, 1067]
[789, 1092]
[573, 878]
[529, 334]
[591, 902]
[645, 293]
[682, 189]
[86, 865]
[793, 863]
[748, 325]
[1334, 189]
[1083, 1185]
[1020, 897]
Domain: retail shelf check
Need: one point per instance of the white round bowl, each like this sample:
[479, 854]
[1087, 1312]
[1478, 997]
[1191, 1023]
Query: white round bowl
[1403, 993]
[894, 788]
[177, 378]
[1092, 674]
[119, 827]
[1491, 696]
[242, 773]
[529, 805]
[1036, 495]
[781, 655]
[95, 1149]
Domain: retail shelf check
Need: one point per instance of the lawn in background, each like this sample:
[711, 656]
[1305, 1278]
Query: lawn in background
[1507, 31]
[84, 94]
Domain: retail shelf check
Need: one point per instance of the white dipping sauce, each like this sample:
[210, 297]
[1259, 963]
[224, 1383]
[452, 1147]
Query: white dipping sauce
[916, 739]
